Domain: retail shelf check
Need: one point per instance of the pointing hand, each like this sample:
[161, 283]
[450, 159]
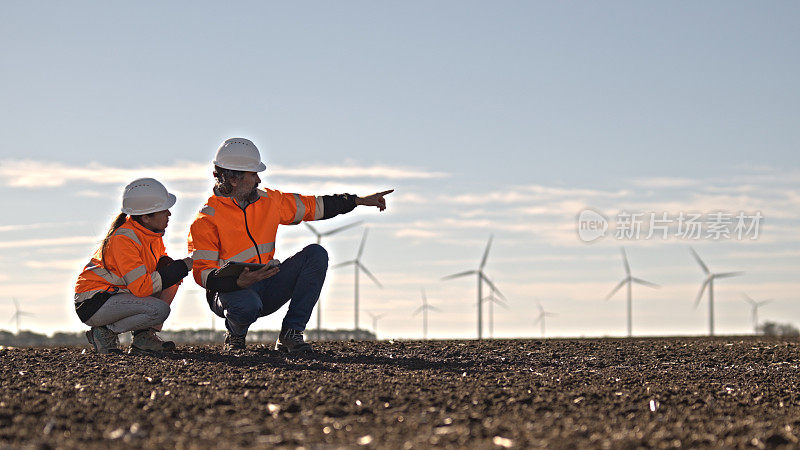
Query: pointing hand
[374, 200]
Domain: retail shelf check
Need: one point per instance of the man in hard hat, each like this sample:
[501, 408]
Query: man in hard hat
[238, 224]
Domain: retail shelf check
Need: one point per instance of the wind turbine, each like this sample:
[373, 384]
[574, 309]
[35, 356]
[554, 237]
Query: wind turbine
[493, 298]
[319, 239]
[542, 314]
[629, 280]
[754, 311]
[424, 310]
[359, 266]
[709, 281]
[481, 278]
[333, 231]
[18, 313]
[375, 318]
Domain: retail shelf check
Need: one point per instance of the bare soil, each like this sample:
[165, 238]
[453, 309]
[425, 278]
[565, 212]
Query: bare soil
[599, 393]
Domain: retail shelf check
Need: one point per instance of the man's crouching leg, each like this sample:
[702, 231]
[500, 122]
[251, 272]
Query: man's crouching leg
[300, 279]
[242, 308]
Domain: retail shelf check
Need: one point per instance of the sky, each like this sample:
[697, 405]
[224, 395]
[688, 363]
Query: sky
[502, 120]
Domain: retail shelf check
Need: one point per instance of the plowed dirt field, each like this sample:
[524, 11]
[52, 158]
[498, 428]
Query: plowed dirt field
[604, 393]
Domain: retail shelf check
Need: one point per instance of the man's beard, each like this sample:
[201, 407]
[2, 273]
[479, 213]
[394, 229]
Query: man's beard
[249, 197]
[253, 195]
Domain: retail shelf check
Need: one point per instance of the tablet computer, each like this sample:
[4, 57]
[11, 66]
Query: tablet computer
[234, 269]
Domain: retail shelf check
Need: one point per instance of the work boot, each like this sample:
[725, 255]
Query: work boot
[148, 341]
[291, 341]
[103, 340]
[233, 342]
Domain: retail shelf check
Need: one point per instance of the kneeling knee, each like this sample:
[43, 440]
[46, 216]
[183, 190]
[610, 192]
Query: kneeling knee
[161, 310]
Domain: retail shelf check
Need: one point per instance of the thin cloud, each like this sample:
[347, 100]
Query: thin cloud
[532, 193]
[355, 171]
[664, 182]
[37, 226]
[50, 242]
[46, 174]
[416, 233]
[71, 265]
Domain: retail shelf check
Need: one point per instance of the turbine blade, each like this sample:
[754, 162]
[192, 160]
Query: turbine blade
[418, 310]
[549, 314]
[313, 230]
[764, 302]
[486, 253]
[700, 294]
[538, 319]
[646, 283]
[491, 285]
[336, 230]
[748, 299]
[363, 241]
[619, 286]
[700, 261]
[460, 274]
[433, 308]
[625, 262]
[342, 264]
[728, 274]
[369, 274]
[424, 297]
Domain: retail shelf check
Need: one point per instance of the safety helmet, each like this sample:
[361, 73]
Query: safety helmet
[145, 196]
[239, 154]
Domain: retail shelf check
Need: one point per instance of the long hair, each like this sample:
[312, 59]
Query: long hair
[118, 221]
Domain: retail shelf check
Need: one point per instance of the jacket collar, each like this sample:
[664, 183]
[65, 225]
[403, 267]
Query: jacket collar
[141, 229]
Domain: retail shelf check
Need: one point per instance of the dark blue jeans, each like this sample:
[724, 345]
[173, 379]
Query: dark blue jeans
[299, 282]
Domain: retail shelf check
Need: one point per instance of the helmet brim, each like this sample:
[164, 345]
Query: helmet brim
[259, 168]
[171, 199]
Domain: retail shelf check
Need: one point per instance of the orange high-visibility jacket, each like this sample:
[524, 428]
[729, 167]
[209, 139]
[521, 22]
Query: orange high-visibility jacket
[132, 254]
[224, 232]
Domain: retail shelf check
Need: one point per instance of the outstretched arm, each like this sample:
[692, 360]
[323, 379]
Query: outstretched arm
[334, 205]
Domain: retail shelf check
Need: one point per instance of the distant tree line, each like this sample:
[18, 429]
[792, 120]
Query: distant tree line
[778, 329]
[31, 339]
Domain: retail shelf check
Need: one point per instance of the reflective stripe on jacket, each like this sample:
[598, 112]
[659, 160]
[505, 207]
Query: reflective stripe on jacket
[222, 231]
[132, 254]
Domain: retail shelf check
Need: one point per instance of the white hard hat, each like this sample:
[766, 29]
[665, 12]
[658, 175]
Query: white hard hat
[145, 196]
[239, 154]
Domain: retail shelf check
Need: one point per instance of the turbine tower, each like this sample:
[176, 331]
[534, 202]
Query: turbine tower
[357, 265]
[375, 318]
[542, 314]
[491, 299]
[754, 311]
[424, 310]
[481, 278]
[709, 281]
[18, 314]
[629, 280]
[319, 239]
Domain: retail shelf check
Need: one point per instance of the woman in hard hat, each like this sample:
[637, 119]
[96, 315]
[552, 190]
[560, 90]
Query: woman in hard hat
[130, 281]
